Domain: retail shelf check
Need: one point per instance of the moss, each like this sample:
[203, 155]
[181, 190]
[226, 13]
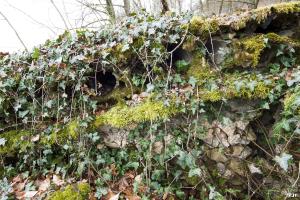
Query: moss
[15, 140]
[67, 132]
[290, 7]
[189, 44]
[79, 192]
[275, 38]
[261, 14]
[238, 86]
[203, 27]
[247, 86]
[246, 52]
[123, 115]
[118, 94]
[200, 69]
[292, 103]
[212, 96]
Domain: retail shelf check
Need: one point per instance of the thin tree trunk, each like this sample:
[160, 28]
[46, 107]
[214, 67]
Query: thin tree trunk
[111, 11]
[201, 5]
[165, 6]
[221, 7]
[256, 4]
[179, 5]
[207, 6]
[13, 28]
[126, 7]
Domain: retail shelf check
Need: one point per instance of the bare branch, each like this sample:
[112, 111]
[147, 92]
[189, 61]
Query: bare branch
[30, 17]
[13, 28]
[61, 16]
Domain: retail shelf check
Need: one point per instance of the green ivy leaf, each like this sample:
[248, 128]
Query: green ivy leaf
[36, 53]
[283, 160]
[181, 65]
[195, 172]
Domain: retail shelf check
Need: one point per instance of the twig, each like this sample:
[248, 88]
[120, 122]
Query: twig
[30, 17]
[13, 28]
[61, 16]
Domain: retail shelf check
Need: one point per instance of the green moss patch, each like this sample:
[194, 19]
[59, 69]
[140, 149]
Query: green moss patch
[261, 14]
[15, 140]
[123, 115]
[292, 103]
[72, 192]
[247, 51]
[203, 27]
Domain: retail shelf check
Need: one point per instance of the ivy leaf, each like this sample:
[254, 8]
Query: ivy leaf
[2, 141]
[101, 191]
[22, 114]
[192, 81]
[36, 53]
[125, 47]
[286, 61]
[283, 160]
[238, 85]
[181, 65]
[17, 106]
[133, 165]
[195, 172]
[252, 85]
[150, 87]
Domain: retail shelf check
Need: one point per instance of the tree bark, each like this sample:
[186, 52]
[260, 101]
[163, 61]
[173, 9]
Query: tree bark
[111, 11]
[165, 6]
[127, 7]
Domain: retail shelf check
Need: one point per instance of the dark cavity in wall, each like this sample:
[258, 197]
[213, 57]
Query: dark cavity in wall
[102, 82]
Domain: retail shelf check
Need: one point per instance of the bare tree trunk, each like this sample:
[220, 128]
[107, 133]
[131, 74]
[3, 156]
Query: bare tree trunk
[13, 28]
[126, 7]
[111, 11]
[165, 6]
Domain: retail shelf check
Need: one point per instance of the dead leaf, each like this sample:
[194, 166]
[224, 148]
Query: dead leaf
[253, 169]
[29, 194]
[109, 195]
[43, 185]
[115, 197]
[57, 180]
[35, 138]
[133, 197]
